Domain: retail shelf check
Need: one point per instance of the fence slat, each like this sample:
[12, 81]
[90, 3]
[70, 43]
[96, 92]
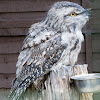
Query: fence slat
[27, 5]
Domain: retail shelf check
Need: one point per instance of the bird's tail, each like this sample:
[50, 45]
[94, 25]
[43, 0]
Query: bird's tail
[19, 87]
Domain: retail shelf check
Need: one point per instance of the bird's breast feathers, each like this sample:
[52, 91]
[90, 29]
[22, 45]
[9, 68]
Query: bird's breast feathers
[73, 42]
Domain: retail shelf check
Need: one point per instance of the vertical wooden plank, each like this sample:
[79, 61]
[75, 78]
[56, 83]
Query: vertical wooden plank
[87, 31]
[89, 52]
[86, 3]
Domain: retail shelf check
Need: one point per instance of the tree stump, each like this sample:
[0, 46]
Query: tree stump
[58, 86]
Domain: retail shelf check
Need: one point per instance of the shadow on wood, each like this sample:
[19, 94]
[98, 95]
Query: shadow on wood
[58, 86]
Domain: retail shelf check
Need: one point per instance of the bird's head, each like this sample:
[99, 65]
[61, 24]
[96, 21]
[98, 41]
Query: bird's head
[67, 15]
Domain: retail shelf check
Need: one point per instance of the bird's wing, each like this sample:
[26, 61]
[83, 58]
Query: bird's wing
[36, 60]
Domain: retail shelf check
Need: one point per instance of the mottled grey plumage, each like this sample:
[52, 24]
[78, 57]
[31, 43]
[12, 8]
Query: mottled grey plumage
[53, 42]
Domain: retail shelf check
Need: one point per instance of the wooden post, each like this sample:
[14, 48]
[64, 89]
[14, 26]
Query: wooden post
[58, 86]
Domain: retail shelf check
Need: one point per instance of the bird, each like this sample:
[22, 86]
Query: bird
[54, 41]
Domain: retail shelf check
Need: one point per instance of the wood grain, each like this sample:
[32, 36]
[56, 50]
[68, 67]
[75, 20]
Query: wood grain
[26, 23]
[81, 59]
[6, 80]
[27, 5]
[11, 44]
[7, 72]
[8, 61]
[96, 43]
[96, 46]
[89, 52]
[13, 32]
[94, 4]
[16, 16]
[18, 23]
[14, 44]
[25, 19]
[22, 15]
[96, 62]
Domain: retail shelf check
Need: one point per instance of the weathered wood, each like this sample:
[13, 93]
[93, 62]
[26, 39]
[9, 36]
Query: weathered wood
[20, 23]
[25, 23]
[30, 13]
[17, 23]
[13, 31]
[95, 13]
[14, 44]
[8, 68]
[95, 36]
[96, 52]
[81, 59]
[89, 52]
[11, 44]
[94, 4]
[8, 61]
[94, 23]
[96, 45]
[23, 15]
[96, 62]
[57, 86]
[25, 19]
[27, 5]
[6, 80]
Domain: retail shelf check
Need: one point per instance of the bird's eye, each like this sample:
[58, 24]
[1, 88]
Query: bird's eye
[73, 14]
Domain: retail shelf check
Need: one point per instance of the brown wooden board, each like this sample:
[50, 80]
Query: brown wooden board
[11, 44]
[25, 23]
[6, 80]
[13, 31]
[81, 59]
[8, 70]
[8, 62]
[22, 15]
[96, 46]
[96, 62]
[27, 5]
[96, 43]
[14, 44]
[94, 23]
[95, 13]
[94, 4]
[95, 36]
[89, 52]
[18, 23]
[93, 26]
[83, 48]
[9, 20]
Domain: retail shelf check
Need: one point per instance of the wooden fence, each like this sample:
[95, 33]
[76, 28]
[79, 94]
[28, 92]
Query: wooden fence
[16, 16]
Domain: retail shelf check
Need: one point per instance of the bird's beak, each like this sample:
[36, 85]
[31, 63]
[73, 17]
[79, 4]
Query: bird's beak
[86, 11]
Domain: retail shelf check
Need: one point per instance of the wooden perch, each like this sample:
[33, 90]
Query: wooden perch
[58, 86]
